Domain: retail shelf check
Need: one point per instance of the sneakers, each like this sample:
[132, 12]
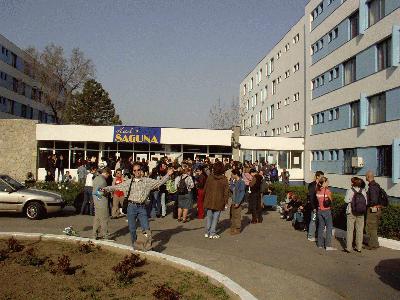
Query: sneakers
[311, 239]
[215, 236]
[330, 249]
[206, 235]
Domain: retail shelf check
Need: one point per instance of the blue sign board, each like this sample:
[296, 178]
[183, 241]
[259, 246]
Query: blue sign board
[135, 134]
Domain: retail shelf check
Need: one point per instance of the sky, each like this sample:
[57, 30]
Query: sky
[164, 63]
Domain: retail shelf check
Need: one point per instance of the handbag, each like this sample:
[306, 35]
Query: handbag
[126, 201]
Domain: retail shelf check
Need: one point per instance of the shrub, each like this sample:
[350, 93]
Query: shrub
[164, 292]
[87, 247]
[14, 246]
[69, 191]
[390, 221]
[3, 254]
[63, 266]
[125, 270]
[30, 258]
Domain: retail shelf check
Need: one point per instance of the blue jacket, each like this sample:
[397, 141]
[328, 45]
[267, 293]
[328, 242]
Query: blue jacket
[238, 189]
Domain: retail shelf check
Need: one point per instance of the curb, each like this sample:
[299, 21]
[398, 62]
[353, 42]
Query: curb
[383, 242]
[229, 284]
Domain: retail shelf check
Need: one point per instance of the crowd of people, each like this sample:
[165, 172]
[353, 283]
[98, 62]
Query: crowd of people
[202, 188]
[315, 216]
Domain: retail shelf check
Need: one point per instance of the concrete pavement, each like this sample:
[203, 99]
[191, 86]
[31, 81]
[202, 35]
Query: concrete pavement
[270, 260]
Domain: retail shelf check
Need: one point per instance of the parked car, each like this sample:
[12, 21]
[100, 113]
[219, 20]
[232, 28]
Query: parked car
[34, 203]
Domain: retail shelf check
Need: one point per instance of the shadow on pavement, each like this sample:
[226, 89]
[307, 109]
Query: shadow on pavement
[161, 238]
[389, 272]
[120, 232]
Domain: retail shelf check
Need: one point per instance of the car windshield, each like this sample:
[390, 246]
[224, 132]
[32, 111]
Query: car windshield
[15, 184]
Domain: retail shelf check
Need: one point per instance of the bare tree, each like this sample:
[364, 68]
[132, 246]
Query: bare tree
[59, 77]
[222, 116]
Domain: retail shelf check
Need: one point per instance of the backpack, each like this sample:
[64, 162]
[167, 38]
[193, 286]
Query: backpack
[358, 203]
[182, 188]
[383, 197]
[170, 186]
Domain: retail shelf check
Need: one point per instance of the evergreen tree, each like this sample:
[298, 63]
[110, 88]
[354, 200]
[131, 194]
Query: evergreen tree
[92, 106]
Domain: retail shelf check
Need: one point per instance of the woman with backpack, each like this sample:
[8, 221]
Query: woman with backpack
[184, 184]
[356, 199]
[324, 197]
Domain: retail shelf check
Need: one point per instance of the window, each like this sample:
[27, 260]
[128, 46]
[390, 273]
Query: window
[265, 92]
[296, 67]
[279, 54]
[23, 111]
[384, 157]
[296, 97]
[355, 114]
[260, 117]
[257, 120]
[251, 83]
[279, 79]
[330, 117]
[296, 126]
[322, 80]
[384, 54]
[261, 71]
[247, 104]
[376, 11]
[265, 133]
[335, 72]
[271, 63]
[30, 113]
[350, 71]
[287, 74]
[296, 39]
[279, 105]
[255, 99]
[273, 132]
[287, 47]
[251, 120]
[244, 89]
[286, 102]
[336, 113]
[11, 106]
[377, 109]
[274, 87]
[15, 85]
[354, 25]
[272, 112]
[296, 159]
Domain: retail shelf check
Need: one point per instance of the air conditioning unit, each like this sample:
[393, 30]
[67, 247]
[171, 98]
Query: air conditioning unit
[357, 162]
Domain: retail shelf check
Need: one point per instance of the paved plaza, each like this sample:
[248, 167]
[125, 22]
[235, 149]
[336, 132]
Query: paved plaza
[270, 260]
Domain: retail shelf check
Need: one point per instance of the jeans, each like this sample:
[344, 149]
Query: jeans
[137, 211]
[87, 201]
[312, 226]
[212, 217]
[324, 220]
[160, 203]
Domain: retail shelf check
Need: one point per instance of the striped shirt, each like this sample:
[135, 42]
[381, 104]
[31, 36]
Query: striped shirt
[141, 187]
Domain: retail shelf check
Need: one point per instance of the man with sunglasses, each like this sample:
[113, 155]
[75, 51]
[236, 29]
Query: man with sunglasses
[140, 190]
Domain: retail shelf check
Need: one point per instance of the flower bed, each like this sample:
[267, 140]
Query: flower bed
[390, 221]
[56, 270]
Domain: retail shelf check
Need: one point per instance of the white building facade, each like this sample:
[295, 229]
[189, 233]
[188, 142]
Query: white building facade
[20, 95]
[350, 113]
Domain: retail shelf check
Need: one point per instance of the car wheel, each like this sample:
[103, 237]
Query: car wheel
[34, 211]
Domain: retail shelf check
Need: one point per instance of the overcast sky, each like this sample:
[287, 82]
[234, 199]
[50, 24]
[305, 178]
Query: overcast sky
[164, 63]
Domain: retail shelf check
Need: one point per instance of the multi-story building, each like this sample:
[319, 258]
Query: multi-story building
[353, 91]
[20, 95]
[350, 112]
[272, 94]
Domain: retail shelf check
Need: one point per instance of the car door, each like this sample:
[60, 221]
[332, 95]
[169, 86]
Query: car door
[9, 199]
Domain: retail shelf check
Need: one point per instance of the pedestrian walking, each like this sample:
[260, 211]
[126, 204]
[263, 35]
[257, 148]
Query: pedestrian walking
[140, 189]
[184, 185]
[238, 189]
[312, 205]
[118, 195]
[324, 197]
[216, 195]
[254, 197]
[88, 205]
[354, 218]
[101, 215]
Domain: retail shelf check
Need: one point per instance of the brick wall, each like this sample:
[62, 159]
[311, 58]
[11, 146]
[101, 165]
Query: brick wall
[18, 147]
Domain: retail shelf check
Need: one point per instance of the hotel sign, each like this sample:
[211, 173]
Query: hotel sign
[135, 134]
